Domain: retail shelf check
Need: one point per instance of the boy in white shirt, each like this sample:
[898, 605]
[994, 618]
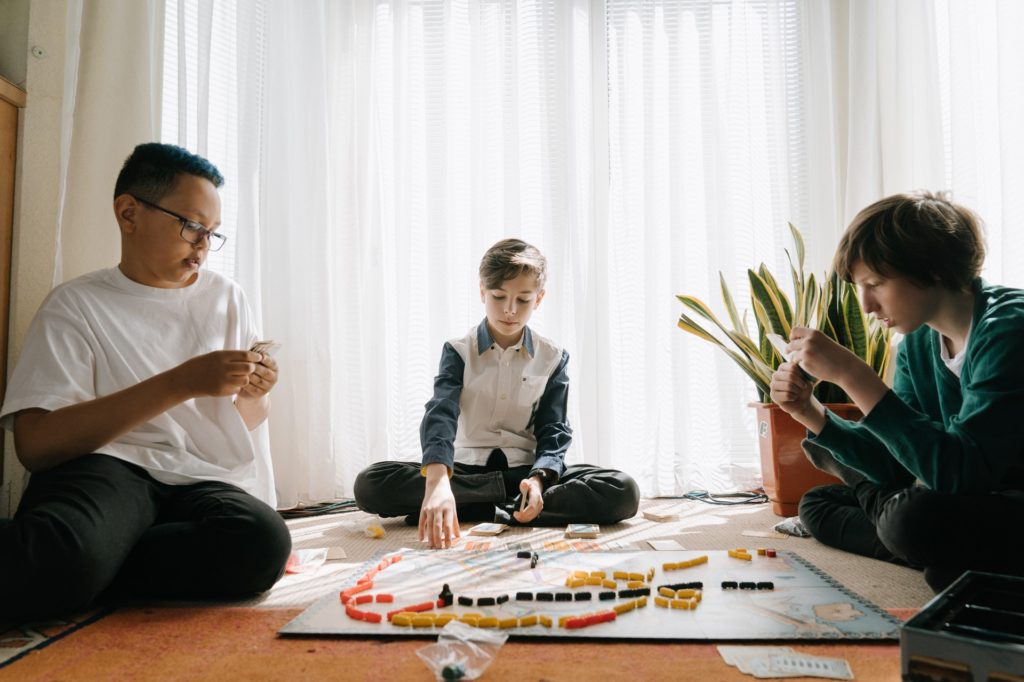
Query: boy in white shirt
[136, 407]
[494, 435]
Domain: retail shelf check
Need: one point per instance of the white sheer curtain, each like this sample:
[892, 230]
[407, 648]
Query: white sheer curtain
[375, 148]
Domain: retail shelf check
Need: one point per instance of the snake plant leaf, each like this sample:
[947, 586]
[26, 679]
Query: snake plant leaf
[856, 325]
[798, 239]
[702, 309]
[760, 378]
[768, 309]
[738, 323]
[769, 279]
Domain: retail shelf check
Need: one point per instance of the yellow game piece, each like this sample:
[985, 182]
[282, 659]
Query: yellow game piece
[580, 574]
[562, 619]
[374, 530]
[527, 621]
[443, 619]
[667, 592]
[488, 622]
[624, 607]
[597, 574]
[620, 575]
[401, 620]
[506, 623]
[669, 567]
[594, 580]
[636, 576]
[761, 551]
[641, 602]
[610, 584]
[468, 619]
[545, 621]
[634, 584]
[422, 621]
[685, 594]
[681, 604]
[574, 582]
[650, 574]
[661, 601]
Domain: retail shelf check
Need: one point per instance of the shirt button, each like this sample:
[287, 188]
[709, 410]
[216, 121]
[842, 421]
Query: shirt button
[503, 396]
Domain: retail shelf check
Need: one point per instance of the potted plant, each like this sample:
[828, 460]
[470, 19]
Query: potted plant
[831, 305]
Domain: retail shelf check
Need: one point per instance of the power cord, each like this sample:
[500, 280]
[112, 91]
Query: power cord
[724, 499]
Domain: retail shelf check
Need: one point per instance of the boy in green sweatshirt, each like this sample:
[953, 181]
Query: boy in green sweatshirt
[934, 471]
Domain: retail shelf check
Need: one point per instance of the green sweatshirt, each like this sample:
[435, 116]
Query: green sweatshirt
[963, 436]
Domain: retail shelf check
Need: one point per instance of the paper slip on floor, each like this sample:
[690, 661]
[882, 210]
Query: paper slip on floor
[783, 661]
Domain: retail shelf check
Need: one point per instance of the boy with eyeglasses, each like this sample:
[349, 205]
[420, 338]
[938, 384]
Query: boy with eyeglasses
[495, 434]
[136, 407]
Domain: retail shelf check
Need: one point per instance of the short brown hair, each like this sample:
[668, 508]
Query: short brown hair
[923, 236]
[509, 259]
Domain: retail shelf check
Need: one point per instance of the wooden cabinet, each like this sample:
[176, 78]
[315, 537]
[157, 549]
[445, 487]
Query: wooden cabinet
[12, 98]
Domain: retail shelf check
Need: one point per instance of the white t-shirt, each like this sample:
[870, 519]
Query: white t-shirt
[102, 332]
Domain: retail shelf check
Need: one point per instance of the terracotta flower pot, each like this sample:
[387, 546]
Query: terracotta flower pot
[786, 471]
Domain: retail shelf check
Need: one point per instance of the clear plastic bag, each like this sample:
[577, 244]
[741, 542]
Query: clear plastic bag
[462, 652]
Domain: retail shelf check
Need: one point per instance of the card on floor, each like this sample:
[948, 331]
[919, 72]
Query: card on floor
[664, 545]
[488, 529]
[582, 530]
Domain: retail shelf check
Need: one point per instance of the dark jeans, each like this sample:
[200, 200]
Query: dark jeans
[584, 493]
[97, 522]
[942, 533]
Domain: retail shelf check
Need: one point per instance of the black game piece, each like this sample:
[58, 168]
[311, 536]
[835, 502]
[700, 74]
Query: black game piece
[501, 599]
[729, 584]
[766, 585]
[533, 560]
[453, 671]
[485, 601]
[465, 601]
[446, 595]
[525, 554]
[524, 596]
[563, 596]
[584, 596]
[748, 586]
[606, 595]
[545, 596]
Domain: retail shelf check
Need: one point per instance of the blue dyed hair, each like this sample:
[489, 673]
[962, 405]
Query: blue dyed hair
[153, 168]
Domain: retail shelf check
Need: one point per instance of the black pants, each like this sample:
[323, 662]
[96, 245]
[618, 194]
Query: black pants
[584, 493]
[943, 534]
[97, 522]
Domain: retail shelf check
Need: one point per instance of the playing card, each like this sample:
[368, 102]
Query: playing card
[488, 529]
[582, 530]
[265, 347]
[664, 545]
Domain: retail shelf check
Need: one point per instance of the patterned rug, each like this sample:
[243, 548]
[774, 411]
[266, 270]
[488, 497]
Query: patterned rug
[20, 641]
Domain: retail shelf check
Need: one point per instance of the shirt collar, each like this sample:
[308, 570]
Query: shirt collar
[484, 340]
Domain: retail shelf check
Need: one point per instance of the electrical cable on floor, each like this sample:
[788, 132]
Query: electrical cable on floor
[724, 499]
[319, 509]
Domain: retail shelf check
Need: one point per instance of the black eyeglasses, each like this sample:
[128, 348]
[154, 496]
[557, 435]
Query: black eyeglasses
[191, 231]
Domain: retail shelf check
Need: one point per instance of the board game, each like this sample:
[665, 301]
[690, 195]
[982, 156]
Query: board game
[659, 595]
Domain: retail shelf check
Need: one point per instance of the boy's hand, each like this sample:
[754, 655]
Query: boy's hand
[439, 522]
[262, 379]
[532, 493]
[220, 373]
[792, 392]
[820, 356]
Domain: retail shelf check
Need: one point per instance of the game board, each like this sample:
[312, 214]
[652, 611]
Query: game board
[804, 603]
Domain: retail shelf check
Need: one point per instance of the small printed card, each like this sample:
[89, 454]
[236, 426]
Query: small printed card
[664, 545]
[488, 529]
[265, 347]
[582, 530]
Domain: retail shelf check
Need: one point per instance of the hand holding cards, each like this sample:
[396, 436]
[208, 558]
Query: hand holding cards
[780, 345]
[265, 347]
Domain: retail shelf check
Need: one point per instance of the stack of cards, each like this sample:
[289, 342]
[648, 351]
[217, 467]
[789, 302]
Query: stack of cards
[265, 347]
[488, 529]
[782, 661]
[582, 530]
